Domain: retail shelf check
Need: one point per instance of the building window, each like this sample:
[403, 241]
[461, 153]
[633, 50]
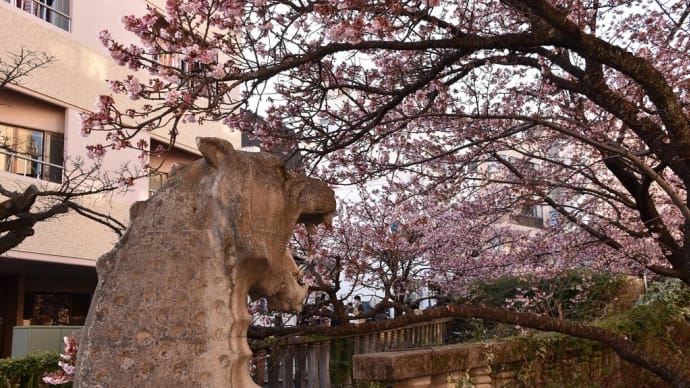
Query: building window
[535, 211]
[156, 180]
[56, 12]
[493, 168]
[170, 60]
[56, 309]
[531, 216]
[31, 153]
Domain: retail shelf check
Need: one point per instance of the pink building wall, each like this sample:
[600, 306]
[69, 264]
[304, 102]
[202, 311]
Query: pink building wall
[50, 99]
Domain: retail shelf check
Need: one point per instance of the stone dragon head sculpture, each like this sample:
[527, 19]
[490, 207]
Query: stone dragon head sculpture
[170, 308]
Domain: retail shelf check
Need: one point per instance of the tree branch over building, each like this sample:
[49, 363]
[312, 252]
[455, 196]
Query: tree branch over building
[16, 66]
[22, 209]
[585, 104]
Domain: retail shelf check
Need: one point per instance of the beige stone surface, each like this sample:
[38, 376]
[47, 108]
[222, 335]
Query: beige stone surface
[441, 360]
[170, 306]
[497, 365]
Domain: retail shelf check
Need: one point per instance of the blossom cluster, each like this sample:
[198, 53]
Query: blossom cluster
[67, 364]
[476, 115]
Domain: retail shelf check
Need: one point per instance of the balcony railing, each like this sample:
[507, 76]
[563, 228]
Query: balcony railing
[52, 15]
[530, 221]
[24, 164]
[314, 363]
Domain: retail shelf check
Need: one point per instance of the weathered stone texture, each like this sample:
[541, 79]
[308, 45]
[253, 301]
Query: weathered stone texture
[170, 306]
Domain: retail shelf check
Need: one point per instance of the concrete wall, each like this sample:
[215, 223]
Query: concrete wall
[21, 110]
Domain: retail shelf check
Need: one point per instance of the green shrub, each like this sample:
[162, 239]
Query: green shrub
[27, 372]
[653, 314]
[584, 295]
[672, 292]
[577, 294]
[644, 321]
[494, 293]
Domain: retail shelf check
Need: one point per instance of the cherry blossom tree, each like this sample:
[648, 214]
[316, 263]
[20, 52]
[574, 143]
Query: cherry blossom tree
[372, 250]
[580, 106]
[593, 92]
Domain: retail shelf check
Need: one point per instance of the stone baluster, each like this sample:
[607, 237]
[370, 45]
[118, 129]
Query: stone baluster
[356, 347]
[372, 343]
[324, 363]
[286, 367]
[301, 366]
[313, 366]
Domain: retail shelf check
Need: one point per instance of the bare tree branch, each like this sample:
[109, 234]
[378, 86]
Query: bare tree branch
[19, 65]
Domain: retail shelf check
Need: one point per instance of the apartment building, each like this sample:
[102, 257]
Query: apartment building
[49, 278]
[534, 216]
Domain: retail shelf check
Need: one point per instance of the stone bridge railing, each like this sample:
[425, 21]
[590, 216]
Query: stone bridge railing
[307, 362]
[414, 356]
[500, 364]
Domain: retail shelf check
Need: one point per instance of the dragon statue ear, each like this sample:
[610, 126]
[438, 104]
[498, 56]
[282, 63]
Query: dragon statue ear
[214, 150]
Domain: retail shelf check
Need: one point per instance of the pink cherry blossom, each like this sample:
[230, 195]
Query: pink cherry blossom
[475, 116]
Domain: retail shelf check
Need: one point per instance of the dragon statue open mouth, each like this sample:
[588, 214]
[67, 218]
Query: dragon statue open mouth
[170, 308]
